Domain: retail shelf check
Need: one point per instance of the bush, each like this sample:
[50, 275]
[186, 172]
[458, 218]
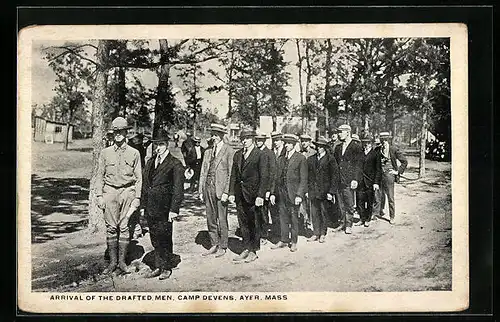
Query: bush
[438, 150]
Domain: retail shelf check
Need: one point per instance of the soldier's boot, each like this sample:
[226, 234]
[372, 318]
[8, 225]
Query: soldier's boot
[122, 252]
[113, 249]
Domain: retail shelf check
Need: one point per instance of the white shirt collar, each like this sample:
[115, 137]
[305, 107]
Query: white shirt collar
[320, 155]
[289, 154]
[162, 156]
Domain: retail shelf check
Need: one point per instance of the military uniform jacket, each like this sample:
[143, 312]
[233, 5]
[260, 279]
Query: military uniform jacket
[323, 176]
[372, 168]
[249, 177]
[163, 187]
[295, 177]
[350, 163]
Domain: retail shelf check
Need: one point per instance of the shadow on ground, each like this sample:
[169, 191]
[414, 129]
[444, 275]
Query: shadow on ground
[58, 207]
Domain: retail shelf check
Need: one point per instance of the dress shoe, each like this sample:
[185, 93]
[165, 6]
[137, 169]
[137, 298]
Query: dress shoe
[374, 217]
[339, 228]
[251, 257]
[313, 238]
[280, 244]
[154, 273]
[263, 241]
[220, 252]
[348, 230]
[241, 257]
[359, 223]
[293, 247]
[211, 251]
[165, 274]
[322, 238]
[392, 221]
[367, 224]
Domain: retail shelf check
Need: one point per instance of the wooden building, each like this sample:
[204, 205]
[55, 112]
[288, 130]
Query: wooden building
[50, 131]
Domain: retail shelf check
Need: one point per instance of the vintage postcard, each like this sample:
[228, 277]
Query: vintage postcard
[242, 168]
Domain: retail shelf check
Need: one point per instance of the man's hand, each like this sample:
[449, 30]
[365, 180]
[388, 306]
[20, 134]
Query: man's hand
[141, 212]
[231, 199]
[100, 202]
[307, 195]
[224, 197]
[201, 197]
[189, 173]
[329, 197]
[394, 172]
[298, 200]
[354, 184]
[375, 187]
[259, 202]
[135, 203]
[272, 199]
[173, 215]
[268, 193]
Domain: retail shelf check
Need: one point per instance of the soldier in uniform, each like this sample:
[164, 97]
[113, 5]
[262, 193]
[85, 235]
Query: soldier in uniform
[118, 188]
[323, 178]
[289, 192]
[163, 192]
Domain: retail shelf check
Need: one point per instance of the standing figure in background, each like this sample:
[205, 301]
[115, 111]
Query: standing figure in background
[213, 189]
[118, 191]
[163, 194]
[306, 149]
[390, 155]
[247, 188]
[349, 157]
[279, 150]
[289, 192]
[197, 161]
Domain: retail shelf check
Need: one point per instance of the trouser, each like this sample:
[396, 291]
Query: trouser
[319, 214]
[262, 220]
[305, 212]
[289, 219]
[247, 213]
[275, 219]
[387, 188]
[160, 230]
[117, 203]
[216, 216]
[365, 200]
[346, 205]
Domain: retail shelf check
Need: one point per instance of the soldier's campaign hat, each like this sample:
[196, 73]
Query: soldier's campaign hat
[321, 141]
[305, 137]
[385, 135]
[290, 138]
[214, 127]
[162, 136]
[366, 138]
[120, 123]
[261, 136]
[344, 127]
[245, 133]
[196, 139]
[355, 137]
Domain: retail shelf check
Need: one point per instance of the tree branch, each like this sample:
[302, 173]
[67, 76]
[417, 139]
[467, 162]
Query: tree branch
[69, 50]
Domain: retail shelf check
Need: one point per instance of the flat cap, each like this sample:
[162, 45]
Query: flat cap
[344, 127]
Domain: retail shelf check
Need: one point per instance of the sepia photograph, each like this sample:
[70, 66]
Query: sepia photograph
[257, 168]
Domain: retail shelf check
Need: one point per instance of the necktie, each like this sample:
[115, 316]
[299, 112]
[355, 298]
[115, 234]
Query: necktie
[157, 163]
[245, 153]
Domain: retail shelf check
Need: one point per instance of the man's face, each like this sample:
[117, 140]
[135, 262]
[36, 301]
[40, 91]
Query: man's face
[321, 149]
[259, 143]
[119, 135]
[289, 146]
[277, 143]
[335, 137]
[145, 141]
[197, 143]
[215, 138]
[367, 145]
[343, 135]
[305, 144]
[161, 147]
[247, 141]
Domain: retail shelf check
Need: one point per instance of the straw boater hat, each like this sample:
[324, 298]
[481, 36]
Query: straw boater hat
[214, 127]
[276, 135]
[321, 141]
[305, 137]
[120, 123]
[290, 138]
[245, 133]
[344, 127]
[261, 136]
[196, 139]
[162, 136]
[385, 135]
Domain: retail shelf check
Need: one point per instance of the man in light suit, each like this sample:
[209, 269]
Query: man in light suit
[289, 192]
[213, 188]
[163, 192]
[249, 178]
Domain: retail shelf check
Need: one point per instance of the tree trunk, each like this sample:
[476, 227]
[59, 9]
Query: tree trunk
[274, 118]
[66, 137]
[162, 112]
[423, 139]
[301, 89]
[230, 87]
[96, 219]
[122, 91]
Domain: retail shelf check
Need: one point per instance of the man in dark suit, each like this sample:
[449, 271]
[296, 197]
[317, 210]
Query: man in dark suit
[270, 161]
[163, 192]
[370, 182]
[247, 188]
[390, 155]
[349, 157]
[278, 150]
[196, 161]
[323, 178]
[289, 192]
[214, 189]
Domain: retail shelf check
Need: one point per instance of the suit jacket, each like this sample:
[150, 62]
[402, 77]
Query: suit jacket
[249, 177]
[163, 188]
[323, 176]
[270, 161]
[395, 155]
[296, 175]
[372, 168]
[350, 164]
[223, 164]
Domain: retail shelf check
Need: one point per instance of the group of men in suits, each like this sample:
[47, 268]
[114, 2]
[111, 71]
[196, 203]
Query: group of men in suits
[271, 187]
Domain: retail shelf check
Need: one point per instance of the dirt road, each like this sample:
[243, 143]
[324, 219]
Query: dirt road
[413, 255]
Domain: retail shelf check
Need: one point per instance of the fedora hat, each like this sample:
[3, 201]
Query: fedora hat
[162, 136]
[261, 136]
[214, 127]
[119, 123]
[385, 135]
[305, 137]
[247, 133]
[321, 141]
[366, 138]
[290, 138]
